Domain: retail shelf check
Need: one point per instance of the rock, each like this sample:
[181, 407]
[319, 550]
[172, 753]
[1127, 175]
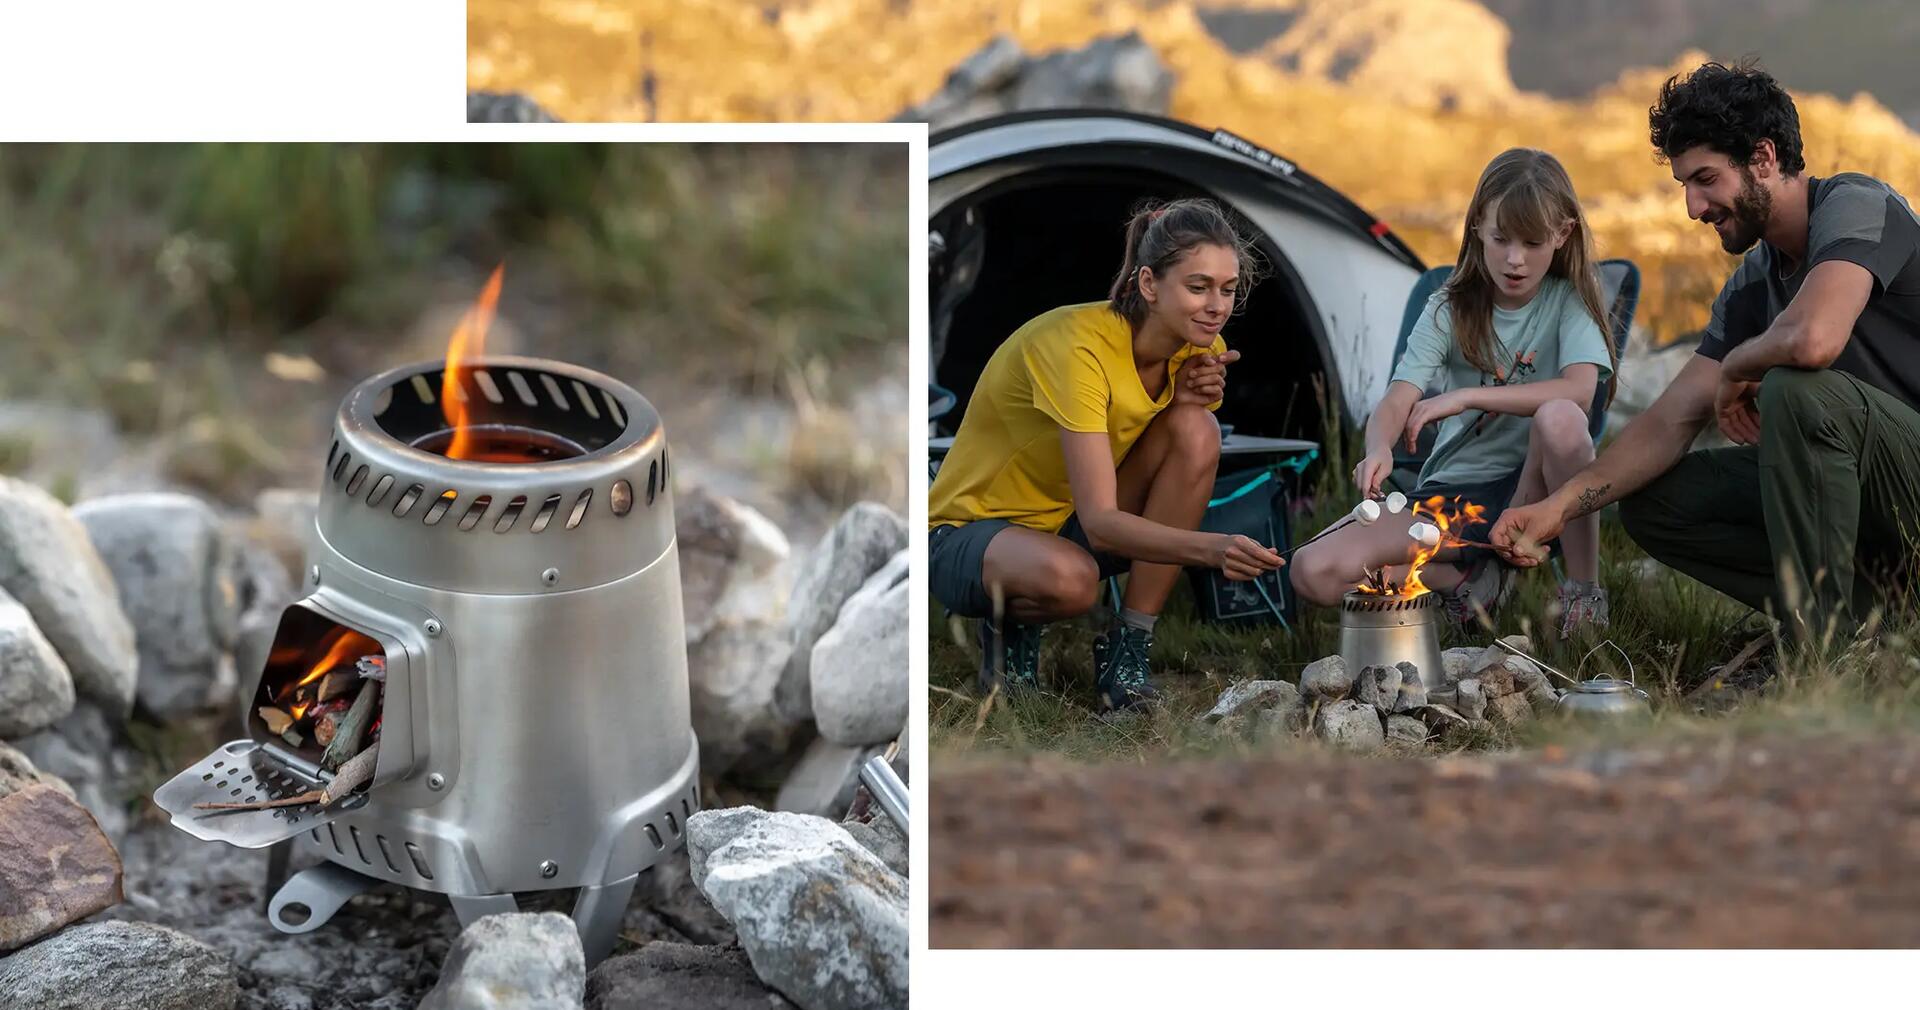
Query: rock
[1350, 725]
[513, 961]
[1496, 678]
[1472, 701]
[17, 772]
[1327, 679]
[1253, 696]
[883, 838]
[731, 570]
[824, 781]
[48, 564]
[732, 674]
[86, 752]
[1115, 72]
[1509, 710]
[860, 544]
[1405, 730]
[284, 523]
[1412, 691]
[669, 890]
[179, 582]
[1276, 722]
[822, 919]
[681, 976]
[1542, 696]
[56, 866]
[1367, 687]
[35, 689]
[491, 107]
[1458, 663]
[1521, 642]
[860, 667]
[119, 966]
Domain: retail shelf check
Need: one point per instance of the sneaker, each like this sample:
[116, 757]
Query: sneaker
[1009, 655]
[1579, 605]
[1484, 586]
[1120, 667]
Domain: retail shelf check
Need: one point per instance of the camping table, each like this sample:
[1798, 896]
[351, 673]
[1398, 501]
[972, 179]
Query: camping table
[1236, 449]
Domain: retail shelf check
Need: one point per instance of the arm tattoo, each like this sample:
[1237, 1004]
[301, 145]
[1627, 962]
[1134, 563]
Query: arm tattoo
[1589, 500]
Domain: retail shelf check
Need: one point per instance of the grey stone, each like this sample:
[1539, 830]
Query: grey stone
[1117, 72]
[860, 667]
[1496, 678]
[732, 672]
[1253, 696]
[513, 961]
[1412, 691]
[512, 107]
[1368, 687]
[1458, 663]
[1327, 679]
[822, 919]
[86, 751]
[35, 689]
[1405, 730]
[119, 966]
[1509, 710]
[990, 68]
[860, 544]
[1472, 699]
[179, 584]
[285, 522]
[1350, 725]
[683, 977]
[17, 772]
[823, 782]
[732, 573]
[1543, 696]
[49, 565]
[883, 838]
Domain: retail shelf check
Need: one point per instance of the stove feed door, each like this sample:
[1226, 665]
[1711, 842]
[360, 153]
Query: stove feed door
[246, 771]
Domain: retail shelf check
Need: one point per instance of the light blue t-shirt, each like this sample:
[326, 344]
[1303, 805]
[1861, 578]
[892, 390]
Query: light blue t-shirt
[1536, 341]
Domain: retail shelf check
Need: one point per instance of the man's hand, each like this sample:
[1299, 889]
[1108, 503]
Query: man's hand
[1737, 405]
[1431, 409]
[1202, 379]
[1522, 532]
[1370, 472]
[1243, 558]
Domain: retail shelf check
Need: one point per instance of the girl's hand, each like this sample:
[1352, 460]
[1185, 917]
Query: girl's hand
[1430, 410]
[1373, 470]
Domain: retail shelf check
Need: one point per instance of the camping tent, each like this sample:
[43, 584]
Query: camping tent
[1026, 212]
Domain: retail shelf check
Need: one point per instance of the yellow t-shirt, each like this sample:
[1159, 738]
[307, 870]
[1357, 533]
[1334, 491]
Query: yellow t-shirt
[1070, 368]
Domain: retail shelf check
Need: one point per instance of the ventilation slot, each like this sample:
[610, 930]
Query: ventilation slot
[334, 836]
[511, 515]
[653, 480]
[614, 411]
[621, 497]
[522, 390]
[545, 515]
[405, 504]
[380, 489]
[663, 470]
[475, 511]
[672, 825]
[340, 467]
[440, 506]
[359, 480]
[422, 389]
[586, 400]
[419, 861]
[386, 853]
[353, 834]
[485, 381]
[653, 835]
[553, 390]
[580, 508]
[332, 451]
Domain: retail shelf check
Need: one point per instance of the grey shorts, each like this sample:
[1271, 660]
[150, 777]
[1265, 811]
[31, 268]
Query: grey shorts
[956, 556]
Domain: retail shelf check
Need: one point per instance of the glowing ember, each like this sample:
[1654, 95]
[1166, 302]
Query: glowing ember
[468, 343]
[1447, 517]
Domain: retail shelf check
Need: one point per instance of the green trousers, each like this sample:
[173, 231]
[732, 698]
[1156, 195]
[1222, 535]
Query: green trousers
[1817, 524]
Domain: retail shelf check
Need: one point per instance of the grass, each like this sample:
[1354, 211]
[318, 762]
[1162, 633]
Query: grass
[1670, 628]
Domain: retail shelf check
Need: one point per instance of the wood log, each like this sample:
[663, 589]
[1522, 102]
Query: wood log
[277, 721]
[352, 730]
[339, 682]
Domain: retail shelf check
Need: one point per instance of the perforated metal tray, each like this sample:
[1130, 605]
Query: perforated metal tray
[243, 771]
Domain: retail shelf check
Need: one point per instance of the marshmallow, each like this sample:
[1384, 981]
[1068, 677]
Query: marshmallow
[1395, 502]
[1426, 533]
[1367, 512]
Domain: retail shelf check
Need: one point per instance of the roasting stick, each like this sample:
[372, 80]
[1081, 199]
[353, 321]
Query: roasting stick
[1365, 513]
[351, 776]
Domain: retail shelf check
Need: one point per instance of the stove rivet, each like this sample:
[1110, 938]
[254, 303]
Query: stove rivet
[436, 782]
[433, 627]
[551, 576]
[313, 574]
[549, 869]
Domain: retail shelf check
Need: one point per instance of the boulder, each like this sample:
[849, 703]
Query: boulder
[860, 544]
[1327, 679]
[35, 689]
[510, 107]
[1113, 72]
[860, 667]
[822, 919]
[178, 578]
[1377, 686]
[1472, 698]
[513, 961]
[1252, 696]
[824, 781]
[883, 838]
[731, 673]
[56, 866]
[1458, 663]
[1509, 710]
[1405, 730]
[732, 575]
[1411, 691]
[681, 976]
[1495, 676]
[17, 771]
[1350, 725]
[119, 966]
[86, 752]
[48, 564]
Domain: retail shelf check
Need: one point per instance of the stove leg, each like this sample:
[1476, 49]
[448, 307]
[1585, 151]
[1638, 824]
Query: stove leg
[278, 855]
[310, 897]
[470, 907]
[598, 912]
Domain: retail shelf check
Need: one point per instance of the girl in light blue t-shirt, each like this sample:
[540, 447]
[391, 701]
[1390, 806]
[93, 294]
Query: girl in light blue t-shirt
[1515, 345]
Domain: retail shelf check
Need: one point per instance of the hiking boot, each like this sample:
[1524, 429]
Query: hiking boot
[1578, 605]
[1009, 655]
[1484, 586]
[1120, 667]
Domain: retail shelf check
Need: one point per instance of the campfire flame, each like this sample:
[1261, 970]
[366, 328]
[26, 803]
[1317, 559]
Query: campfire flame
[1448, 516]
[344, 645]
[467, 344]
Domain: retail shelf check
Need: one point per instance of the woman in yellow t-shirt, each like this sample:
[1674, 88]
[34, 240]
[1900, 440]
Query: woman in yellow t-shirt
[1089, 449]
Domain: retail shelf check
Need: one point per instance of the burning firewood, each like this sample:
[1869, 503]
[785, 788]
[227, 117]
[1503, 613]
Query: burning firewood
[352, 728]
[351, 776]
[278, 722]
[341, 681]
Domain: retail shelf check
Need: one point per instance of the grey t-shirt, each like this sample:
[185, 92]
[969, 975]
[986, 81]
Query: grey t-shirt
[1850, 217]
[1537, 341]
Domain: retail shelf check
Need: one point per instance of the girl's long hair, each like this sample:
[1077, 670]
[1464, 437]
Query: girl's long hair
[1159, 234]
[1535, 198]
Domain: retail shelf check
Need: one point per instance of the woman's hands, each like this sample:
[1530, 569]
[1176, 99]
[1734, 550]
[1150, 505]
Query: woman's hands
[1431, 410]
[1202, 379]
[1243, 558]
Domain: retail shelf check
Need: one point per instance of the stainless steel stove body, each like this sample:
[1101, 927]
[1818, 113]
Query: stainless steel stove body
[1385, 630]
[534, 724]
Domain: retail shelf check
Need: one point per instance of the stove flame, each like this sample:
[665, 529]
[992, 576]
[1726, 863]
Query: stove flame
[467, 344]
[1449, 517]
[344, 646]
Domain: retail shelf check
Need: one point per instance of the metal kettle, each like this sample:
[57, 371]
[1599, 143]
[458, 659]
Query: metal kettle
[1604, 697]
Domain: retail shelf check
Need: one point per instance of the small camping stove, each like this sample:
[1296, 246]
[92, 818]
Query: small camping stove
[518, 602]
[1387, 629]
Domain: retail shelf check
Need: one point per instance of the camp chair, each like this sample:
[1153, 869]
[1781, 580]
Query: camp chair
[1619, 290]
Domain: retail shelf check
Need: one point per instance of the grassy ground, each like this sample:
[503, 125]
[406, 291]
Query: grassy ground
[1671, 630]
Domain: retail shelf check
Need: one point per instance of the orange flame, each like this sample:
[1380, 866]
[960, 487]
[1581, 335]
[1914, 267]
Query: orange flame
[1447, 517]
[346, 644]
[468, 343]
